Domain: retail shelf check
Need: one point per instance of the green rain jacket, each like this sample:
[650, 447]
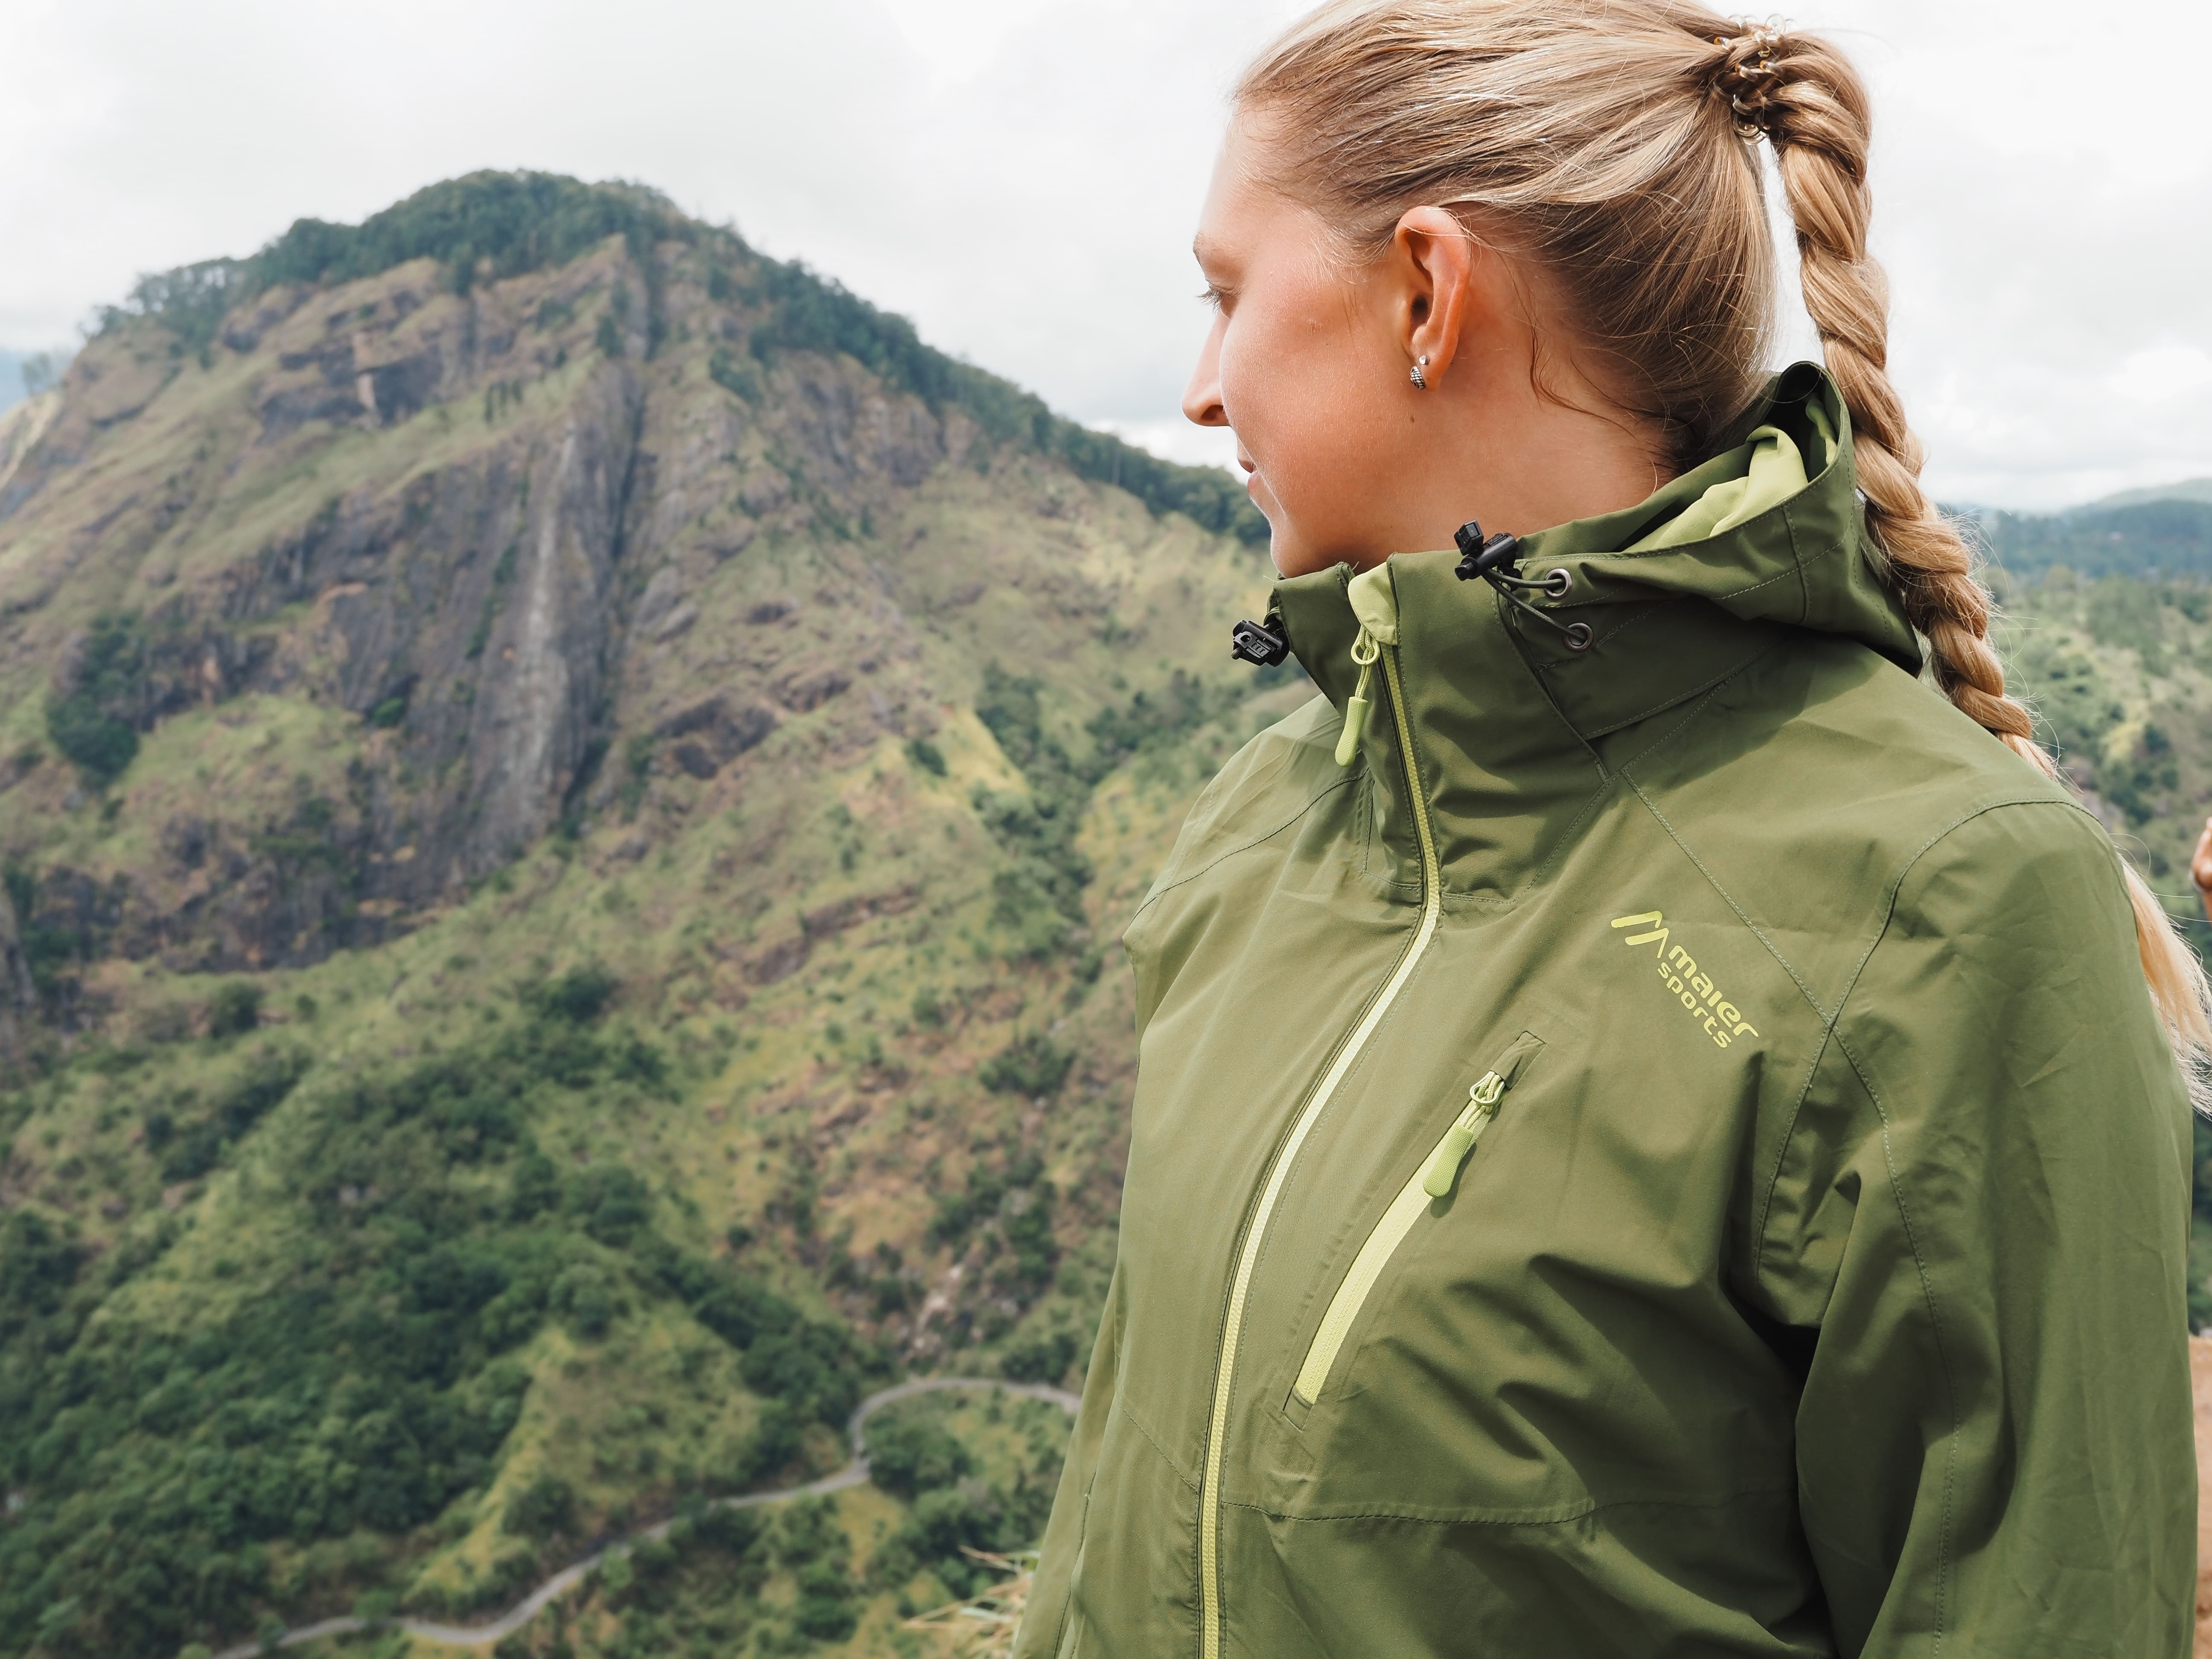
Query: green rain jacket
[1667, 1152]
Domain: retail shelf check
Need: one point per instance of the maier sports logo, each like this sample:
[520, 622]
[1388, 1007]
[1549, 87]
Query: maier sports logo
[1696, 991]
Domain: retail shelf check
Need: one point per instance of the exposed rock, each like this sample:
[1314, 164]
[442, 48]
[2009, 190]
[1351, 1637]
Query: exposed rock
[807, 688]
[456, 612]
[18, 995]
[714, 733]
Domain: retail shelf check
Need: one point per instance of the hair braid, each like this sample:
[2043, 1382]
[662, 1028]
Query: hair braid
[1805, 96]
[1605, 139]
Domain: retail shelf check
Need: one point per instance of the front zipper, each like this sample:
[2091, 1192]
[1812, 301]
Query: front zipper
[1433, 1179]
[1232, 1325]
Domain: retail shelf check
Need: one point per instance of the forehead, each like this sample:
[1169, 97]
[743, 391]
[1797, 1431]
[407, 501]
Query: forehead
[1241, 209]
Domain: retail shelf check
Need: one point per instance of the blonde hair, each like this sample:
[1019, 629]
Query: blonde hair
[1612, 143]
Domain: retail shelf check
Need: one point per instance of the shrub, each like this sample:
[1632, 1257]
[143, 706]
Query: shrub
[731, 1530]
[235, 1009]
[92, 723]
[577, 997]
[1043, 1359]
[911, 1455]
[1033, 1064]
[544, 1510]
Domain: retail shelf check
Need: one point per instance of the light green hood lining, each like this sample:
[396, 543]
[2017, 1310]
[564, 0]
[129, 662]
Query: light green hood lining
[1764, 472]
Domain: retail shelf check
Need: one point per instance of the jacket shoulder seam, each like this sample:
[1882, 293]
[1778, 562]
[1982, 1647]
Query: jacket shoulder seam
[1698, 694]
[1832, 1031]
[1306, 806]
[1935, 1325]
[1831, 1022]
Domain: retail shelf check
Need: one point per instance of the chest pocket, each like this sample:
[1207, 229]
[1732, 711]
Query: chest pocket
[1428, 1194]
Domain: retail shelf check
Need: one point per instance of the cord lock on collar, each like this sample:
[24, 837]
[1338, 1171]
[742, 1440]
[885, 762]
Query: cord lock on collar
[1258, 644]
[1496, 560]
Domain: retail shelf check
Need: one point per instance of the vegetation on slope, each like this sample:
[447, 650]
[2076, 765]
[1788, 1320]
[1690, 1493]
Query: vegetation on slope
[390, 1207]
[2118, 669]
[490, 226]
[563, 803]
[2150, 538]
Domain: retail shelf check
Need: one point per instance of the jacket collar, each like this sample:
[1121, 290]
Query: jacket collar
[1506, 720]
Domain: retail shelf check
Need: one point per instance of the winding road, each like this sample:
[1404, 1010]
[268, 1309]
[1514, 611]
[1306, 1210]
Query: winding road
[483, 1636]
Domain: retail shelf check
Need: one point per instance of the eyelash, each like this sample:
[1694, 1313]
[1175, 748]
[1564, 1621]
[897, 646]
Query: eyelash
[1213, 296]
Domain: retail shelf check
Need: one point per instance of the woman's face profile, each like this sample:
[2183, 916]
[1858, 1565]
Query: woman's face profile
[1300, 361]
[1309, 359]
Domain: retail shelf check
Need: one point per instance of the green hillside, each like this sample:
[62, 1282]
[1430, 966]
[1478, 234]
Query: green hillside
[2142, 535]
[565, 793]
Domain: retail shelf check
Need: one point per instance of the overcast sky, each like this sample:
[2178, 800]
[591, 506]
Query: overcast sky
[1021, 178]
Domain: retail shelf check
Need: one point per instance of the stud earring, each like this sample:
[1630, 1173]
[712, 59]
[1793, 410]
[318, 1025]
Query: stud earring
[1420, 380]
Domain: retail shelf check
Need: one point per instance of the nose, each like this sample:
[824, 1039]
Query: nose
[1201, 399]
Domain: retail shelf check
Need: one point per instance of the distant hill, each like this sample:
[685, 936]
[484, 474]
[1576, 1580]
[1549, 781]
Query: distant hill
[25, 374]
[2161, 536]
[2189, 490]
[567, 790]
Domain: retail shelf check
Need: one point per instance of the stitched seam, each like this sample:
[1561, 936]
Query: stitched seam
[1158, 1450]
[1935, 1323]
[1162, 892]
[1797, 561]
[1665, 703]
[1574, 1512]
[1689, 713]
[1566, 841]
[1851, 984]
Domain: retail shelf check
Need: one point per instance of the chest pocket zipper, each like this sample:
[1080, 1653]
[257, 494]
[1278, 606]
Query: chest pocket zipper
[1428, 1191]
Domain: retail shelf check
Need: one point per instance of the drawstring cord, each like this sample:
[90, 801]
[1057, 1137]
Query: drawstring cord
[1497, 561]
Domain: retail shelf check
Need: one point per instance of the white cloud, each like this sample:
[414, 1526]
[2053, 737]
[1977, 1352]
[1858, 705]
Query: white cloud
[1021, 177]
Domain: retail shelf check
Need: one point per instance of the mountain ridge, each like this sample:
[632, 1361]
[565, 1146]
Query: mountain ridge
[561, 812]
[564, 805]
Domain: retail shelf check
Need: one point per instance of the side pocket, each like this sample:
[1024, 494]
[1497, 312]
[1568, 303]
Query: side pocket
[1427, 1191]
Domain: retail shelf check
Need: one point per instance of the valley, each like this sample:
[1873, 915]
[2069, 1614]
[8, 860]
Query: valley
[567, 794]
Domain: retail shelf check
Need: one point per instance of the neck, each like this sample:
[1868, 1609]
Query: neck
[1517, 446]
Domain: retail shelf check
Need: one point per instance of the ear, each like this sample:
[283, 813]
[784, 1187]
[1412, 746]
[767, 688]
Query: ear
[1436, 269]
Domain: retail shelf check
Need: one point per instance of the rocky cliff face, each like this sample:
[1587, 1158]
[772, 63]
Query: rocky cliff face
[566, 792]
[468, 536]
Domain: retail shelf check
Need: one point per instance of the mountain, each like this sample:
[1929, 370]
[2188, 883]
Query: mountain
[566, 793]
[2189, 490]
[2169, 536]
[25, 374]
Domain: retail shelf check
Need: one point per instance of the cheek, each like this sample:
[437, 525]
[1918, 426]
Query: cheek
[1306, 406]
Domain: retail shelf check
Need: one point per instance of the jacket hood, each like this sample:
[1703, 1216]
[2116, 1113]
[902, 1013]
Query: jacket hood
[1757, 546]
[1799, 555]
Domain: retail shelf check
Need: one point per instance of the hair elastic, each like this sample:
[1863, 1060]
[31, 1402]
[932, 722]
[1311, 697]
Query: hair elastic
[1742, 74]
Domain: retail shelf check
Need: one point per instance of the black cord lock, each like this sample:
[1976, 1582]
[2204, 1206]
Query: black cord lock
[1257, 644]
[1496, 560]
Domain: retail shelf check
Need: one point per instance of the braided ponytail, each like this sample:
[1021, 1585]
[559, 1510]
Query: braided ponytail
[1808, 101]
[1606, 140]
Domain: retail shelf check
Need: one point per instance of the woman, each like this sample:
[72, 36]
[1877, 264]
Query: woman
[1659, 1131]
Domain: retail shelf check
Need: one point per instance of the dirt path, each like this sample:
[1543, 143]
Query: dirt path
[483, 1636]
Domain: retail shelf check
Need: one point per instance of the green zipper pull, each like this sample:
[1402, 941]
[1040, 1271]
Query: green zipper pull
[1459, 1139]
[1355, 712]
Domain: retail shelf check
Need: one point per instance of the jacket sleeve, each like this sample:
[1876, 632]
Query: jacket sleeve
[1046, 1611]
[1981, 1209]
